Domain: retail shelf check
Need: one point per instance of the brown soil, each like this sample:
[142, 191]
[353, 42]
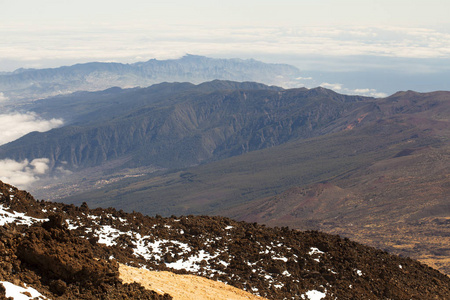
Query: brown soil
[183, 287]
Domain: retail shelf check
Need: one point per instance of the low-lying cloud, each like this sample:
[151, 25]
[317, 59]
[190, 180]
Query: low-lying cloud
[368, 92]
[3, 98]
[16, 125]
[23, 173]
[339, 88]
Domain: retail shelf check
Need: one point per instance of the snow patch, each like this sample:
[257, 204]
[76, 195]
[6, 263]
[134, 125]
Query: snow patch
[71, 225]
[314, 250]
[280, 258]
[192, 263]
[313, 295]
[107, 235]
[7, 217]
[18, 292]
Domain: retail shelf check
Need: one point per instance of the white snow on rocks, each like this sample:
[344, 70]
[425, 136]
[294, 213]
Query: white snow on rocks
[280, 258]
[148, 249]
[206, 261]
[192, 264]
[106, 235]
[151, 249]
[71, 225]
[313, 295]
[7, 217]
[20, 293]
[278, 286]
[314, 250]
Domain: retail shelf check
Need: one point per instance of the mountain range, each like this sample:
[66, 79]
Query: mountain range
[51, 250]
[372, 169]
[179, 124]
[31, 84]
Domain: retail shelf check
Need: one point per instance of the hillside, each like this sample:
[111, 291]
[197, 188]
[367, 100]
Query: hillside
[178, 125]
[32, 84]
[64, 251]
[371, 169]
[383, 180]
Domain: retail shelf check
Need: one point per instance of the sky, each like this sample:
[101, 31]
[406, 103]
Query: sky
[355, 41]
[231, 12]
[41, 33]
[367, 47]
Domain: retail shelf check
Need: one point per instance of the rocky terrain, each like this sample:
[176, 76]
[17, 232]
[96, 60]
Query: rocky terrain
[67, 252]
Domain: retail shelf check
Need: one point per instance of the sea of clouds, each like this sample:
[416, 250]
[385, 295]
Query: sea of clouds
[3, 98]
[106, 43]
[23, 173]
[13, 126]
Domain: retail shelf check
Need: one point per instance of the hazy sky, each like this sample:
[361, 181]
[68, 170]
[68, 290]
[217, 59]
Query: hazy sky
[315, 35]
[231, 12]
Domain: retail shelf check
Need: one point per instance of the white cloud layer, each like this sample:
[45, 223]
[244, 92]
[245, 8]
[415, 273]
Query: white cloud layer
[339, 88]
[16, 125]
[3, 98]
[23, 173]
[368, 92]
[143, 42]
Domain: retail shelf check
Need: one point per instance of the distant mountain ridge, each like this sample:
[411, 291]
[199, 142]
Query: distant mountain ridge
[30, 84]
[174, 125]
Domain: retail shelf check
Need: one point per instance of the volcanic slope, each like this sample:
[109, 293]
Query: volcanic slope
[399, 203]
[179, 125]
[66, 252]
[380, 130]
[382, 181]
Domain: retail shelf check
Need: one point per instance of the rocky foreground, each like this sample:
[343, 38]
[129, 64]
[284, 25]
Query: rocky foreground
[66, 252]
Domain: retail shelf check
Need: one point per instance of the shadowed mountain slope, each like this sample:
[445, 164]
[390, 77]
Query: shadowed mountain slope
[179, 125]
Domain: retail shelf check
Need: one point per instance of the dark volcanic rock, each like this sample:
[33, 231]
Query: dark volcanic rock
[277, 263]
[60, 255]
[65, 264]
[55, 261]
